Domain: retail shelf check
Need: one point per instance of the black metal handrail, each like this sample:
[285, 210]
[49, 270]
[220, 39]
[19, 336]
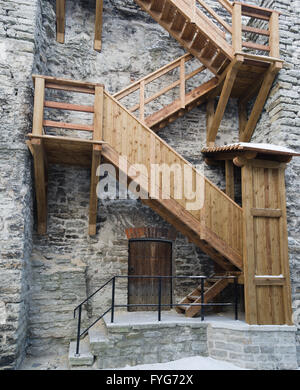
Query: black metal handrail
[159, 305]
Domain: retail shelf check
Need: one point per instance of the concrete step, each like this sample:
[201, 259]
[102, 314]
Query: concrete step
[98, 338]
[85, 358]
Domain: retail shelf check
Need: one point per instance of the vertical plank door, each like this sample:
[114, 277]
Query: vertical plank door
[151, 258]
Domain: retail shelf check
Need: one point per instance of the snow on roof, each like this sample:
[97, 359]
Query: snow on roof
[263, 147]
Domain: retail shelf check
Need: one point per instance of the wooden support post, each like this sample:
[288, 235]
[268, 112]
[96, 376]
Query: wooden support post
[210, 112]
[38, 109]
[274, 35]
[237, 27]
[60, 20]
[40, 177]
[98, 25]
[229, 174]
[243, 117]
[142, 101]
[182, 83]
[225, 94]
[247, 133]
[96, 157]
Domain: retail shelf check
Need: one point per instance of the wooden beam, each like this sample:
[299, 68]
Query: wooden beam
[98, 25]
[229, 174]
[266, 213]
[60, 20]
[96, 159]
[243, 117]
[223, 100]
[237, 27]
[40, 177]
[269, 77]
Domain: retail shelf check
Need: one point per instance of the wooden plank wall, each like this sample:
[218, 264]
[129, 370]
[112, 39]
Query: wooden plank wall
[266, 262]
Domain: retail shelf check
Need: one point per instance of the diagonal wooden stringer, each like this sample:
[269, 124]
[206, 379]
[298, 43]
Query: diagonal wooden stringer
[247, 132]
[214, 119]
[96, 158]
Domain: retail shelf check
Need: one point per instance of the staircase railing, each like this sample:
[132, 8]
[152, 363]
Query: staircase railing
[158, 304]
[141, 84]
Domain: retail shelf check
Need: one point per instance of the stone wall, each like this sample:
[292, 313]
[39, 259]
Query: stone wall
[133, 46]
[66, 263]
[17, 50]
[256, 347]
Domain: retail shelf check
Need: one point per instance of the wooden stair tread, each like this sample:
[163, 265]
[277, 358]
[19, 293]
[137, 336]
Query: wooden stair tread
[176, 17]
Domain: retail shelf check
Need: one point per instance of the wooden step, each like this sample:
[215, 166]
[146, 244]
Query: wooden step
[210, 294]
[190, 30]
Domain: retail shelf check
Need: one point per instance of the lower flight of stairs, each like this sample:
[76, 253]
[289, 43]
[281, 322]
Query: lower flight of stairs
[212, 287]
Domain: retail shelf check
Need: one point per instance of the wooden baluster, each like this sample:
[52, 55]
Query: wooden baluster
[98, 25]
[274, 35]
[237, 27]
[182, 83]
[38, 110]
[142, 101]
[96, 158]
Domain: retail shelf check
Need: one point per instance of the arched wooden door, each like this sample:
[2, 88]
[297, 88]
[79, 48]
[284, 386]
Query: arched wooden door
[151, 258]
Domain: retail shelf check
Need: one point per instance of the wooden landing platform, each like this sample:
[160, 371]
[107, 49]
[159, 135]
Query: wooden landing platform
[65, 150]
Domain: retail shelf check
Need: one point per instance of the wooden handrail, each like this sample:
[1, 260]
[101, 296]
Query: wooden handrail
[140, 84]
[168, 88]
[215, 15]
[151, 77]
[227, 5]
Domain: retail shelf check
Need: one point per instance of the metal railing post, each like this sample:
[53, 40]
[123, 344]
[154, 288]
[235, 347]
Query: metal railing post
[113, 299]
[236, 292]
[159, 299]
[78, 332]
[202, 299]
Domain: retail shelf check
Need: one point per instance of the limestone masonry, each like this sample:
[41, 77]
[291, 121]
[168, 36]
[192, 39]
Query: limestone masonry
[42, 278]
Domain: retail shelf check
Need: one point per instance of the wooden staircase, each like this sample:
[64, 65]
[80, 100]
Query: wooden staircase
[213, 223]
[212, 288]
[227, 51]
[193, 30]
[186, 100]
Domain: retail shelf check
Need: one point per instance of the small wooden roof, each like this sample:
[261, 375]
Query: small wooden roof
[266, 151]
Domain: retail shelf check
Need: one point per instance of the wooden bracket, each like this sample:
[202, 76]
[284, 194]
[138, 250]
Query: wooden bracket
[40, 176]
[229, 174]
[98, 25]
[60, 20]
[246, 134]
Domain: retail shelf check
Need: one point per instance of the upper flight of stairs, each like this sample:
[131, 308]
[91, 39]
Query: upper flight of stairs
[193, 30]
